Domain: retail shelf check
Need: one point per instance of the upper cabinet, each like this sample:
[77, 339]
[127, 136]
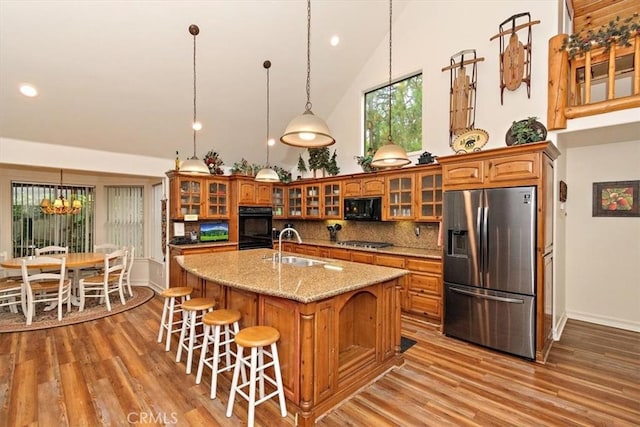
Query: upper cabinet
[312, 201]
[206, 196]
[216, 198]
[294, 201]
[187, 200]
[429, 194]
[278, 200]
[511, 167]
[251, 192]
[331, 200]
[365, 186]
[399, 202]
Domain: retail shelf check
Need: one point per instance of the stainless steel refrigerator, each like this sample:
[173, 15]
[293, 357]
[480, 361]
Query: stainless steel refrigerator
[489, 268]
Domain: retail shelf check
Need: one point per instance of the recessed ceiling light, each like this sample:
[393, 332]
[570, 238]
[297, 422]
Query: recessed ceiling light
[335, 41]
[28, 90]
[271, 142]
[197, 126]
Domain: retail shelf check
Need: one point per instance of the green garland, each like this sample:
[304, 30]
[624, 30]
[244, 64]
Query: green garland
[617, 32]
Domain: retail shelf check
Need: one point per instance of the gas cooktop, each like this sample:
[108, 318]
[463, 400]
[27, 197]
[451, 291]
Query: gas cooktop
[364, 244]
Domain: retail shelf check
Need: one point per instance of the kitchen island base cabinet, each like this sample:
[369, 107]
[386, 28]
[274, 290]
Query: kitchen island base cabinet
[330, 348]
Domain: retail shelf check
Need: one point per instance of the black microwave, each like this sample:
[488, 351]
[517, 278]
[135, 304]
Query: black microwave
[363, 208]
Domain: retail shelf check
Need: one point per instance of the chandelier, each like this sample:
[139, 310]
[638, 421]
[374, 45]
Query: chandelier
[60, 205]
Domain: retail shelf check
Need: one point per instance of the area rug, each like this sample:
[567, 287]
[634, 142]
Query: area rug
[10, 322]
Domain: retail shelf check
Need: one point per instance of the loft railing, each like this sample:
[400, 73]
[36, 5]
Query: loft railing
[573, 82]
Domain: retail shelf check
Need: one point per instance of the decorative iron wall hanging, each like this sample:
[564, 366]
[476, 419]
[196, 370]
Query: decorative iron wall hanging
[515, 57]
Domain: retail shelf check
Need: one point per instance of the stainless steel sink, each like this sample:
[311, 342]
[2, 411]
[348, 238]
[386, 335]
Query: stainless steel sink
[300, 261]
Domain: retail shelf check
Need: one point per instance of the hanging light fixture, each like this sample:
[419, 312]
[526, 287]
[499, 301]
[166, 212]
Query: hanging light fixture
[61, 206]
[267, 174]
[307, 130]
[194, 165]
[390, 155]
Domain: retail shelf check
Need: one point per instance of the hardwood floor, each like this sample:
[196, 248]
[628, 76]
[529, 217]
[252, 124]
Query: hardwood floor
[113, 372]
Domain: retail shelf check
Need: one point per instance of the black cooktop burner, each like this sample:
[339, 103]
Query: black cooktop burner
[364, 244]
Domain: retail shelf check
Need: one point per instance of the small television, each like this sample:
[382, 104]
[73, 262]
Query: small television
[214, 231]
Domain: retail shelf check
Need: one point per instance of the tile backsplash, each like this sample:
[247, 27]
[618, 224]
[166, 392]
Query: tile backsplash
[400, 233]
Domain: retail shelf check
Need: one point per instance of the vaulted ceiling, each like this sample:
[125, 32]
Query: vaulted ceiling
[118, 75]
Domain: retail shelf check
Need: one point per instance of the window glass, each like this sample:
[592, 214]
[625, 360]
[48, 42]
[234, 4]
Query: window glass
[406, 115]
[125, 217]
[33, 225]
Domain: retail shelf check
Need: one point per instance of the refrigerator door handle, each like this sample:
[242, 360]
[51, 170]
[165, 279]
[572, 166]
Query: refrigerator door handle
[485, 245]
[479, 251]
[490, 297]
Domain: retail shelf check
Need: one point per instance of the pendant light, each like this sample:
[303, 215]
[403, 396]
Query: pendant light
[307, 130]
[194, 165]
[267, 174]
[390, 155]
[60, 205]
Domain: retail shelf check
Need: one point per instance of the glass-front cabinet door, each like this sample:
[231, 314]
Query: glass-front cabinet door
[294, 201]
[312, 201]
[331, 200]
[217, 197]
[429, 196]
[400, 197]
[278, 202]
[190, 196]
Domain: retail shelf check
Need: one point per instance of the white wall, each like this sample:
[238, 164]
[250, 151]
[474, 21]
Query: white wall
[425, 36]
[602, 271]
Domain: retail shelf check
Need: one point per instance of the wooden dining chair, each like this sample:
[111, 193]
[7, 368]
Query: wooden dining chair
[50, 286]
[127, 272]
[11, 289]
[109, 281]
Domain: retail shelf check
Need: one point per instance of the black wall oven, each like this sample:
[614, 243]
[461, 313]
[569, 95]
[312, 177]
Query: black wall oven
[254, 227]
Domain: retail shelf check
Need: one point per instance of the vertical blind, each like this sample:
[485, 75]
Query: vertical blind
[32, 228]
[125, 216]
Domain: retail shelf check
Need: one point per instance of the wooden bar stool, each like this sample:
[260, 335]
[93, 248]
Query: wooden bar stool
[193, 312]
[172, 307]
[220, 328]
[257, 338]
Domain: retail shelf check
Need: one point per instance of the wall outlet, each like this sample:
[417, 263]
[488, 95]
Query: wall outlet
[417, 230]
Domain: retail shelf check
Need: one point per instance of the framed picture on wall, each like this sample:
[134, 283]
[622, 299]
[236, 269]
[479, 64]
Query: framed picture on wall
[616, 198]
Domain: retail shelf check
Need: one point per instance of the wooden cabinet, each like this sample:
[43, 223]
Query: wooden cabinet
[331, 200]
[424, 288]
[361, 187]
[216, 198]
[429, 195]
[251, 192]
[186, 196]
[177, 276]
[294, 201]
[311, 203]
[278, 201]
[399, 201]
[208, 197]
[508, 169]
[515, 166]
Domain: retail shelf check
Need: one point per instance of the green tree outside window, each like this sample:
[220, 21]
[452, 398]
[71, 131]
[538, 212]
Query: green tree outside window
[406, 115]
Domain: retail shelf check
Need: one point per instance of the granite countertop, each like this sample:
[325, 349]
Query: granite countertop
[391, 250]
[254, 270]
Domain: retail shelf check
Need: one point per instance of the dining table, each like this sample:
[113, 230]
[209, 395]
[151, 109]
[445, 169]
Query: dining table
[75, 262]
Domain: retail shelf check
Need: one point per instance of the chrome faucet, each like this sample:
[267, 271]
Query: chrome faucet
[280, 240]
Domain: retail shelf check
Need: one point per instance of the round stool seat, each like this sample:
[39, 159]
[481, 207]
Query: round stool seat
[199, 304]
[257, 336]
[221, 317]
[181, 291]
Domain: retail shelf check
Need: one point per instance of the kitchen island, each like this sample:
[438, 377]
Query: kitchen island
[339, 321]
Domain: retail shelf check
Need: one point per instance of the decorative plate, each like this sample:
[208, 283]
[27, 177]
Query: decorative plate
[469, 141]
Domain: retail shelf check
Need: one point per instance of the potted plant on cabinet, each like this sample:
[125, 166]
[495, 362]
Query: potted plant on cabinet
[526, 131]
